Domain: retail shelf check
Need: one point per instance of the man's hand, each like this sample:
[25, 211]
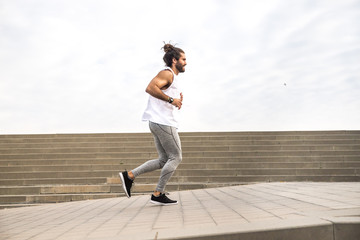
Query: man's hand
[178, 102]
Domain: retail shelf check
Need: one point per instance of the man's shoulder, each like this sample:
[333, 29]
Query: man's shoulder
[166, 74]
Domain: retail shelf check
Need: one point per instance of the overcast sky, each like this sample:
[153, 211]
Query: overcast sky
[80, 66]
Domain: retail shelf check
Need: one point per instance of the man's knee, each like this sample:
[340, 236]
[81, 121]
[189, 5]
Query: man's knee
[177, 156]
[180, 158]
[175, 159]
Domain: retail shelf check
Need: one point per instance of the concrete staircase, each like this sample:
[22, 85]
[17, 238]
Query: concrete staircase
[37, 169]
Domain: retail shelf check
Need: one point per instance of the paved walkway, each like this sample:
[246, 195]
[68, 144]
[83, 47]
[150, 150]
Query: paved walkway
[258, 211]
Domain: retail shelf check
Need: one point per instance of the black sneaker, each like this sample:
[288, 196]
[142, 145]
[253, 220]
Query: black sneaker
[126, 183]
[162, 200]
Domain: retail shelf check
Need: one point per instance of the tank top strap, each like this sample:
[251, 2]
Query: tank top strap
[169, 68]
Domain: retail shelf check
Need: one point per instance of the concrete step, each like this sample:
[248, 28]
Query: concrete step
[100, 188]
[204, 165]
[47, 194]
[153, 155]
[54, 181]
[150, 143]
[151, 149]
[18, 205]
[186, 172]
[189, 135]
[177, 180]
[137, 161]
[58, 189]
[54, 198]
[259, 178]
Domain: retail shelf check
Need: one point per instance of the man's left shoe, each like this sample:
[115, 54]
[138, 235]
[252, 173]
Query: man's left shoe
[126, 183]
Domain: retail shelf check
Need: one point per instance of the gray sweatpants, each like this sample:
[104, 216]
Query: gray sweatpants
[167, 142]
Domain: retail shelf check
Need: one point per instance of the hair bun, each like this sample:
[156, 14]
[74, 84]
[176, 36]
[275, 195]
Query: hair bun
[171, 52]
[168, 47]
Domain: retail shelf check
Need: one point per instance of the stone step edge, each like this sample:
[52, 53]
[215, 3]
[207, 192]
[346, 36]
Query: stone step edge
[205, 133]
[316, 166]
[184, 144]
[66, 197]
[340, 228]
[188, 158]
[55, 198]
[18, 205]
[152, 149]
[187, 154]
[203, 164]
[194, 169]
[109, 179]
[84, 190]
[153, 179]
[52, 186]
[122, 162]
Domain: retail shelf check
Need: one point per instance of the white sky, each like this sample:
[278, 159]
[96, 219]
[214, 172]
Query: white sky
[262, 65]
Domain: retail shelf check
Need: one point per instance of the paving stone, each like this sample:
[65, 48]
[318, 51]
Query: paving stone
[258, 211]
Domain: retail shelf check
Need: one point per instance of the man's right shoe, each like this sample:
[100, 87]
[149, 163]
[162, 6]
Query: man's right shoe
[162, 200]
[126, 183]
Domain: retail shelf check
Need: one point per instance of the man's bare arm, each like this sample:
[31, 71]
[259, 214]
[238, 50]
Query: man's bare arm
[158, 83]
[162, 81]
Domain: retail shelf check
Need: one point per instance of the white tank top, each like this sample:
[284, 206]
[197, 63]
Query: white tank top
[162, 112]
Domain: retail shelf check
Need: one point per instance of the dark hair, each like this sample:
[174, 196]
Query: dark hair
[170, 53]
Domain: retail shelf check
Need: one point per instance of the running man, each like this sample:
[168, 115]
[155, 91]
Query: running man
[162, 109]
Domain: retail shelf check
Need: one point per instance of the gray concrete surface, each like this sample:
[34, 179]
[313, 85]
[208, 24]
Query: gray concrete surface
[296, 210]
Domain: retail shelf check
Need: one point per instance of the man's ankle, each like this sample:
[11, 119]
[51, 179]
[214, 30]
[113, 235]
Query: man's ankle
[131, 175]
[156, 193]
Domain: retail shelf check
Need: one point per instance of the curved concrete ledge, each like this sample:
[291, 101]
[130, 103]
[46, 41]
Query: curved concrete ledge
[296, 210]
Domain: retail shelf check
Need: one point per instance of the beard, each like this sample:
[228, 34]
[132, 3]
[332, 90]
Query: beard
[180, 67]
